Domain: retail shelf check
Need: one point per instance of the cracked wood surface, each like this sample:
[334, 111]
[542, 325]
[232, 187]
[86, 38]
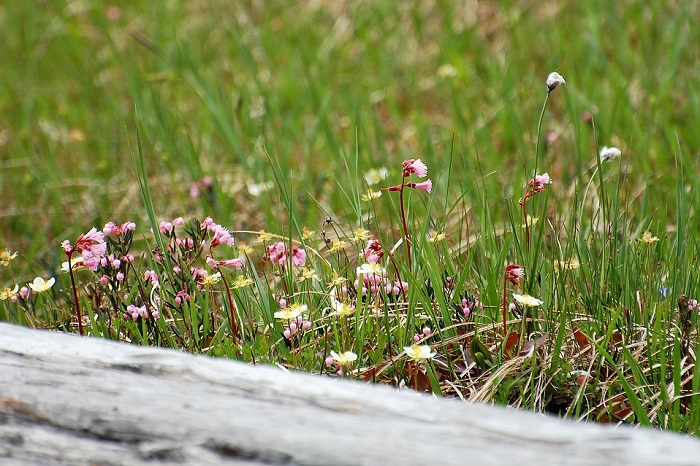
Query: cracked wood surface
[71, 400]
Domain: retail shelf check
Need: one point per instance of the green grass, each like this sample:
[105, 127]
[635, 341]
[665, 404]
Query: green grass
[114, 117]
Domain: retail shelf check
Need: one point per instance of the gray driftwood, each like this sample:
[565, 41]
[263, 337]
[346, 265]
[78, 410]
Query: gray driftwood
[71, 400]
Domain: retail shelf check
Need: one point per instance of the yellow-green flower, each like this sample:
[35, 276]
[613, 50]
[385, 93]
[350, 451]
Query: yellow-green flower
[210, 280]
[291, 312]
[263, 236]
[571, 264]
[308, 274]
[6, 257]
[244, 249]
[242, 282]
[39, 285]
[648, 238]
[7, 293]
[337, 280]
[338, 245]
[371, 195]
[418, 352]
[527, 300]
[307, 233]
[361, 235]
[436, 237]
[344, 358]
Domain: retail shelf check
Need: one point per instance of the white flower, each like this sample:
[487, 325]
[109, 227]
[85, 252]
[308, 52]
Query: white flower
[344, 358]
[39, 285]
[73, 262]
[291, 312]
[609, 153]
[527, 300]
[417, 352]
[371, 269]
[375, 175]
[554, 80]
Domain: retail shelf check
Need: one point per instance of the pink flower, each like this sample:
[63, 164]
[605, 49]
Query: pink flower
[112, 229]
[514, 273]
[92, 246]
[279, 254]
[424, 185]
[415, 166]
[298, 256]
[540, 180]
[165, 227]
[235, 263]
[221, 236]
[194, 191]
[207, 224]
[373, 251]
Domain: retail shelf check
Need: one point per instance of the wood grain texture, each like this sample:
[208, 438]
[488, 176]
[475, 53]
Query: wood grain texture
[71, 400]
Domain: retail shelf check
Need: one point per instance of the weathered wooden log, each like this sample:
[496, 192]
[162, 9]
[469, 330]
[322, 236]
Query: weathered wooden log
[71, 400]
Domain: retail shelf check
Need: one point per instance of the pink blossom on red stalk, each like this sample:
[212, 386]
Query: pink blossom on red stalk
[373, 251]
[426, 185]
[536, 185]
[540, 181]
[415, 166]
[91, 245]
[514, 273]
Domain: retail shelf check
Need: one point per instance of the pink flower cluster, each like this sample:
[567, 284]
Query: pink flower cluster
[425, 333]
[134, 312]
[469, 305]
[167, 228]
[112, 229]
[91, 245]
[22, 294]
[279, 254]
[692, 304]
[152, 276]
[296, 325]
[375, 283]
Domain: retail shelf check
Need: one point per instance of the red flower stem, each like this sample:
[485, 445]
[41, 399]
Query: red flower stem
[405, 227]
[505, 304]
[75, 293]
[232, 309]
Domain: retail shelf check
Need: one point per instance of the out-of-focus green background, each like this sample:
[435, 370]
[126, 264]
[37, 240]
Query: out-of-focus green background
[328, 90]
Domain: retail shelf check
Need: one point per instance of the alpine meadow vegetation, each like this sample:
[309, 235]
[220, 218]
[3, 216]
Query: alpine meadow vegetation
[491, 203]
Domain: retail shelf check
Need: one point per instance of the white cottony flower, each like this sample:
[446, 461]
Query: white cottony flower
[609, 153]
[527, 300]
[554, 80]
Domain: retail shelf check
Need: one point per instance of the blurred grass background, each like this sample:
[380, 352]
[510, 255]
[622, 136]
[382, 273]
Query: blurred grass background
[328, 90]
